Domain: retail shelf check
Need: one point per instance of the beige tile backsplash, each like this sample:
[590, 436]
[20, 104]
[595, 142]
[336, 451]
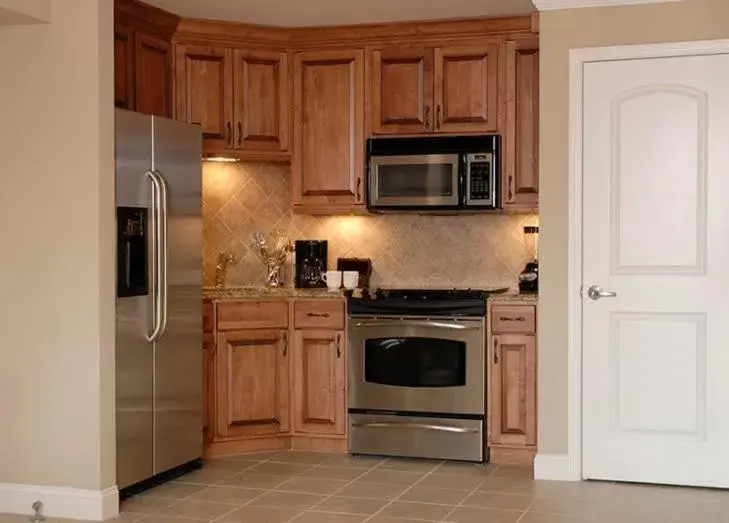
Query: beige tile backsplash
[407, 250]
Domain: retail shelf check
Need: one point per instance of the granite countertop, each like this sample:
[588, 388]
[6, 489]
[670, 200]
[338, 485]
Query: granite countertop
[514, 296]
[241, 293]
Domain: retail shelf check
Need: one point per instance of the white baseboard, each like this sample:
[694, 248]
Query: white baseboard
[556, 467]
[60, 502]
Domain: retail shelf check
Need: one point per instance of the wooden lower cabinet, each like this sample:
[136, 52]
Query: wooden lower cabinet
[252, 383]
[208, 387]
[319, 382]
[513, 413]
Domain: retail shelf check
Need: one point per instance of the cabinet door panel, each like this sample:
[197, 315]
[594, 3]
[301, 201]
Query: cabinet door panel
[319, 378]
[513, 390]
[402, 90]
[204, 81]
[521, 137]
[153, 87]
[466, 85]
[328, 160]
[123, 68]
[253, 383]
[261, 101]
[208, 386]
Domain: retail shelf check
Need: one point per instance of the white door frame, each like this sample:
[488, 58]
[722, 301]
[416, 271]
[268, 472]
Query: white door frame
[569, 467]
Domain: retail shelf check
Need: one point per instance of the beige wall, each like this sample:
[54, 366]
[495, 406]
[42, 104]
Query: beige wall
[24, 11]
[56, 268]
[561, 31]
[407, 250]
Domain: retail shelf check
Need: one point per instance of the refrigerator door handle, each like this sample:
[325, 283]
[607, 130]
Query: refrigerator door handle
[163, 287]
[156, 252]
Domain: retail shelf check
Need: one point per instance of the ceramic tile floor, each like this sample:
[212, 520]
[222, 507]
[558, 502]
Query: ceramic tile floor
[309, 487]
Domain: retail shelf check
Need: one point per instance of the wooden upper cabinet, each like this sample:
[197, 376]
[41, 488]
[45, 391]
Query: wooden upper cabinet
[513, 409]
[253, 383]
[123, 67]
[402, 90]
[319, 382]
[153, 70]
[328, 151]
[520, 183]
[204, 86]
[261, 94]
[466, 88]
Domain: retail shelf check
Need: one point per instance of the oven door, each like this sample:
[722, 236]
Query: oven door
[429, 180]
[417, 365]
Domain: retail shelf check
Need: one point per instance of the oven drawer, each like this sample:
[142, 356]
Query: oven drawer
[416, 437]
[319, 314]
[513, 318]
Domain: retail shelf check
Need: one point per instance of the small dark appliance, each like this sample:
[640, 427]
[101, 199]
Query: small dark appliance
[529, 277]
[311, 262]
[362, 265]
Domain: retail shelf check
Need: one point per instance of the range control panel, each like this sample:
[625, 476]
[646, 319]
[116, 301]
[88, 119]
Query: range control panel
[480, 177]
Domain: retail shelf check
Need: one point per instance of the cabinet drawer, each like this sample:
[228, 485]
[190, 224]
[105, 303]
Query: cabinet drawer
[253, 315]
[319, 314]
[513, 318]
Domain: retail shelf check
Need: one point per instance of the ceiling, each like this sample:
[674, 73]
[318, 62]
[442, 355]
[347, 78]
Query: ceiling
[298, 13]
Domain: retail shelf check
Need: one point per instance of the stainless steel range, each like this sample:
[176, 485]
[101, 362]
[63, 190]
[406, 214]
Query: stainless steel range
[417, 383]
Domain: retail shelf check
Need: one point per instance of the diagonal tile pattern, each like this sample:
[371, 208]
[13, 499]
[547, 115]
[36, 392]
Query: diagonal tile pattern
[407, 250]
[381, 490]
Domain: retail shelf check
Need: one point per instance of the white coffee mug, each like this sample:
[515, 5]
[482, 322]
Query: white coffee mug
[350, 279]
[333, 279]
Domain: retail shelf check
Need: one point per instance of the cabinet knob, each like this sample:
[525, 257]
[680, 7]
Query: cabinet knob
[359, 185]
[240, 134]
[496, 351]
[285, 339]
[427, 117]
[339, 345]
[510, 184]
[229, 137]
[437, 118]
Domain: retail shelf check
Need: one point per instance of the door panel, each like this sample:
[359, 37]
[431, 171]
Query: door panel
[253, 383]
[178, 359]
[153, 70]
[123, 67]
[319, 378]
[261, 94]
[654, 357]
[513, 390]
[520, 182]
[466, 80]
[204, 83]
[402, 90]
[328, 160]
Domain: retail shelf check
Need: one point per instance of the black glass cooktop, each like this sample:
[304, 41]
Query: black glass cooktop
[420, 302]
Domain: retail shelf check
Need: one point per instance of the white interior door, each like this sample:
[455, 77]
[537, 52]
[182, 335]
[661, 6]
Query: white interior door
[656, 232]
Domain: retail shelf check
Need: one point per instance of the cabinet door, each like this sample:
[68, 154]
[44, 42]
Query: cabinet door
[328, 155]
[319, 378]
[123, 67]
[253, 383]
[261, 94]
[402, 90]
[466, 85]
[204, 83]
[513, 419]
[152, 76]
[520, 184]
[208, 386]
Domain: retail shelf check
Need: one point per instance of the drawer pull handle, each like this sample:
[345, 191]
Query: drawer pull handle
[317, 314]
[518, 318]
[339, 345]
[496, 351]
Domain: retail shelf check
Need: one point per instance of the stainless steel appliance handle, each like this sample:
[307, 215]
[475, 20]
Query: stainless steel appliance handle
[415, 323]
[163, 288]
[411, 425]
[156, 247]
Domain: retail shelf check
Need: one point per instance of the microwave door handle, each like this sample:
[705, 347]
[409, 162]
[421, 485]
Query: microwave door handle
[410, 323]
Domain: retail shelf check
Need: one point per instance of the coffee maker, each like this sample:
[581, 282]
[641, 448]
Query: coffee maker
[311, 262]
[529, 277]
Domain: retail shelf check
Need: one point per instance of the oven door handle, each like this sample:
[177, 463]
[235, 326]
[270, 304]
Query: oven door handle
[410, 425]
[415, 323]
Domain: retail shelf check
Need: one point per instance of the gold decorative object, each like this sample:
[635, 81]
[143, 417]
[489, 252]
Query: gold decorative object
[222, 263]
[274, 254]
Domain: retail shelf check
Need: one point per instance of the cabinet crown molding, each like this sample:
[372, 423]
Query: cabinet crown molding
[553, 5]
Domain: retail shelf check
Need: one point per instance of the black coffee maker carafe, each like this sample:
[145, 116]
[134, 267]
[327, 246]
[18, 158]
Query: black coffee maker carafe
[311, 262]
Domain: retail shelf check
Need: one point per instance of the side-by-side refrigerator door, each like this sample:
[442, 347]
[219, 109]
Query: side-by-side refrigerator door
[134, 307]
[178, 352]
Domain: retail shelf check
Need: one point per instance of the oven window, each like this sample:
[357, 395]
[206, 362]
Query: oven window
[415, 362]
[417, 180]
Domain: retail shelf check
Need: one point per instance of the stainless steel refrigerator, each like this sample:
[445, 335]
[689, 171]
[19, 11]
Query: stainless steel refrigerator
[159, 300]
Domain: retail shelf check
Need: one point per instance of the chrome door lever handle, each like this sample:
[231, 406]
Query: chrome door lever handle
[596, 293]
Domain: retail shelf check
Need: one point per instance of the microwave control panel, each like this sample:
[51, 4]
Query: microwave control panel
[480, 179]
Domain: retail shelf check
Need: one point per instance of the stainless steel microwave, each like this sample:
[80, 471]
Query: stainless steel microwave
[433, 173]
